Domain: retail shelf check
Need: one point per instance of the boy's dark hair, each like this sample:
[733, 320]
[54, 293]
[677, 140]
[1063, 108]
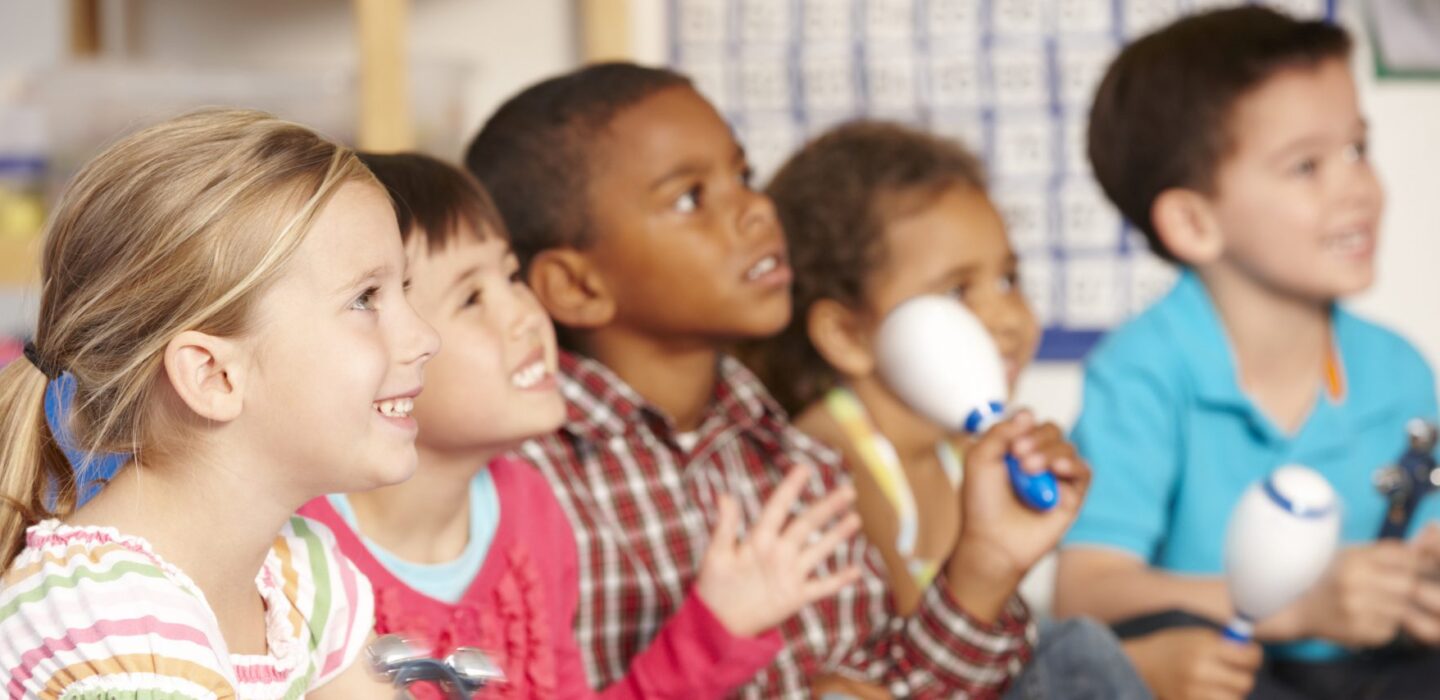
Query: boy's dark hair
[835, 197]
[1161, 117]
[534, 153]
[435, 197]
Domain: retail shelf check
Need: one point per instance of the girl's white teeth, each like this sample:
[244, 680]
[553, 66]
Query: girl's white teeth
[529, 375]
[1348, 242]
[766, 264]
[395, 408]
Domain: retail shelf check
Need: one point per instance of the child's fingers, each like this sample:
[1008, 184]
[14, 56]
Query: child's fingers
[817, 515]
[991, 447]
[827, 586]
[1038, 440]
[727, 523]
[821, 549]
[777, 509]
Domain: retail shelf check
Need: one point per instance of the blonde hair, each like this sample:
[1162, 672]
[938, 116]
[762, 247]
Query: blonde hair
[178, 227]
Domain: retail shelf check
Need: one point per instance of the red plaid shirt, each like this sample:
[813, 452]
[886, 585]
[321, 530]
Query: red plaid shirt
[642, 507]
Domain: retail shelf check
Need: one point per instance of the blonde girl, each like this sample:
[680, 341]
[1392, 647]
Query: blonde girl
[226, 291]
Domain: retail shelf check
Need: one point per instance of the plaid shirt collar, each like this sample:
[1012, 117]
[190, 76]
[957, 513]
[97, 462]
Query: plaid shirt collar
[601, 406]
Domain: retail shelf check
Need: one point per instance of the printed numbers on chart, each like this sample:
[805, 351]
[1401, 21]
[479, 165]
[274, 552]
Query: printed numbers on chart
[764, 82]
[702, 21]
[826, 20]
[1023, 148]
[828, 79]
[1019, 17]
[765, 21]
[1088, 221]
[890, 20]
[1019, 77]
[1094, 292]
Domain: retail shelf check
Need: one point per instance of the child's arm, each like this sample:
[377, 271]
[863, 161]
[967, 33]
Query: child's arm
[355, 681]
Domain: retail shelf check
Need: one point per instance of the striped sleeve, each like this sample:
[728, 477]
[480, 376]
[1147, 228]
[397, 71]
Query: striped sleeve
[328, 593]
[86, 615]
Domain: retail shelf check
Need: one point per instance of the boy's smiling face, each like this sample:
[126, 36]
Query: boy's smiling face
[686, 248]
[1296, 200]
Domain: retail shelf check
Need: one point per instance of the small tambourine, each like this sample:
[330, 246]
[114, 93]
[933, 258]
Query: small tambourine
[1406, 482]
[402, 662]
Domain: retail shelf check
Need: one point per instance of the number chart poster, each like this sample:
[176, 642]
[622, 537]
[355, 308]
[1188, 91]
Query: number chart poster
[1011, 79]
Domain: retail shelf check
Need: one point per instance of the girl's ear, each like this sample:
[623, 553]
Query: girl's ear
[207, 375]
[841, 337]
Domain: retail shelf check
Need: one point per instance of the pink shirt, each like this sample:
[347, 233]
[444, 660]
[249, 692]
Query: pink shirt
[520, 607]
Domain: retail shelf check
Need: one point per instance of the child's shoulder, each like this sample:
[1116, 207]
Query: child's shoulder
[1153, 342]
[1378, 358]
[76, 599]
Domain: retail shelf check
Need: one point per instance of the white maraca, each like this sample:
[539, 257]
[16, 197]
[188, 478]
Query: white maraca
[939, 359]
[1282, 535]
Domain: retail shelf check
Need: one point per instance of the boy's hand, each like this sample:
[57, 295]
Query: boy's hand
[1194, 663]
[754, 583]
[1365, 596]
[1423, 621]
[1000, 538]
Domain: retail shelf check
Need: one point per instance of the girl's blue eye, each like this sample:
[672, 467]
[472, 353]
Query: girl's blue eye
[366, 300]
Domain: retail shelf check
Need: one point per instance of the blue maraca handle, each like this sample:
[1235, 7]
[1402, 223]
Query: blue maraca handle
[1240, 630]
[1036, 491]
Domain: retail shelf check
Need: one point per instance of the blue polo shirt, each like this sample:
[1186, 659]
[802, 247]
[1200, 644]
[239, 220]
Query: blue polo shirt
[1173, 440]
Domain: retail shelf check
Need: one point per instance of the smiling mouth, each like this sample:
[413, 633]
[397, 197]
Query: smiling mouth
[395, 408]
[763, 267]
[530, 375]
[1353, 241]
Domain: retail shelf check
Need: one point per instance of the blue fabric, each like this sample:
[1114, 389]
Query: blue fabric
[1173, 440]
[89, 472]
[1078, 659]
[447, 581]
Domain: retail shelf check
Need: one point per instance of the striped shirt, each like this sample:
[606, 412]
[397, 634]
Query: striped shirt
[642, 506]
[89, 613]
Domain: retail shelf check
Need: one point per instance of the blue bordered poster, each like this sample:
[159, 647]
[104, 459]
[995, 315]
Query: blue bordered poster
[1011, 79]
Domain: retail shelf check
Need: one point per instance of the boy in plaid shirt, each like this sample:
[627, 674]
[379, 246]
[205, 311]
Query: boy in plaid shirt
[632, 212]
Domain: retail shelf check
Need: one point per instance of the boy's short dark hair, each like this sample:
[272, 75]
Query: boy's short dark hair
[1162, 113]
[434, 197]
[534, 153]
[834, 198]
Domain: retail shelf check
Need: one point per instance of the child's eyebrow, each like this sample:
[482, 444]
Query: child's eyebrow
[462, 278]
[690, 168]
[952, 273]
[372, 273]
[1310, 141]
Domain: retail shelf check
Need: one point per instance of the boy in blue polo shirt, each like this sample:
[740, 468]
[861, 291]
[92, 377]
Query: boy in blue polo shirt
[1234, 141]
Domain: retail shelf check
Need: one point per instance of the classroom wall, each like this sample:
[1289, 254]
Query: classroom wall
[508, 44]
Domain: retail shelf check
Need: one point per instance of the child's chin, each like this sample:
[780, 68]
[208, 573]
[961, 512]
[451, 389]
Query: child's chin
[390, 472]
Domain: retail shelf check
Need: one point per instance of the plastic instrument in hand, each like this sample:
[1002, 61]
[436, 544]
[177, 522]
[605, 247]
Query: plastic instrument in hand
[938, 358]
[1282, 535]
[401, 662]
